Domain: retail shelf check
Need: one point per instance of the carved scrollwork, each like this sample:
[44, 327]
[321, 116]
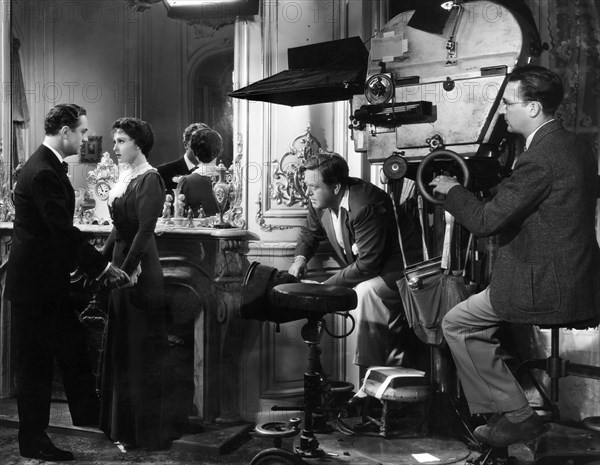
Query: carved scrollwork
[261, 221]
[235, 214]
[287, 181]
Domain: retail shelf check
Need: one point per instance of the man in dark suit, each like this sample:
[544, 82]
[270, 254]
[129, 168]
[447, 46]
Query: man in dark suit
[171, 171]
[358, 219]
[46, 247]
[547, 270]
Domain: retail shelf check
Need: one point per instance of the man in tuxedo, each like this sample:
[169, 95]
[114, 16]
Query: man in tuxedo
[46, 247]
[184, 165]
[358, 219]
[547, 269]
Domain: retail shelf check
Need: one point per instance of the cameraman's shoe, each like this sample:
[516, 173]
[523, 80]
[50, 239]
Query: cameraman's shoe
[501, 433]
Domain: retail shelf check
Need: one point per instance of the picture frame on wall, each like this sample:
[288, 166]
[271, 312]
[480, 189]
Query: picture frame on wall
[91, 150]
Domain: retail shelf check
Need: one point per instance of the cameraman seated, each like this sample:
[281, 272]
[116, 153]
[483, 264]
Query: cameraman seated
[547, 270]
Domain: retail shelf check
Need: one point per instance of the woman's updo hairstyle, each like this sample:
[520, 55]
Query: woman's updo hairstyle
[138, 130]
[206, 144]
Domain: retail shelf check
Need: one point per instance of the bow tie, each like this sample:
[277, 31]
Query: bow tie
[65, 166]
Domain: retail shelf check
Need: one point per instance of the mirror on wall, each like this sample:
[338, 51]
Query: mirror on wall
[115, 58]
[211, 104]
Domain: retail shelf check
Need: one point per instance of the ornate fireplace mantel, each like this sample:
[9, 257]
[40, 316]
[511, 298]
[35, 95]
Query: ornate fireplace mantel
[203, 269]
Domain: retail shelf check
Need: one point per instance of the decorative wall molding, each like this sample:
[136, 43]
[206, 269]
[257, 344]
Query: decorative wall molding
[287, 181]
[287, 186]
[262, 223]
[235, 215]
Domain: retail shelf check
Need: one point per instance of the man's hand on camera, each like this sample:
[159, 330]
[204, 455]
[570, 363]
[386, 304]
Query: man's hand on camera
[442, 184]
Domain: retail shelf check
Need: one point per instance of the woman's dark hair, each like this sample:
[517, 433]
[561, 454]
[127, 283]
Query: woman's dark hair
[139, 131]
[333, 167]
[65, 114]
[539, 84]
[206, 144]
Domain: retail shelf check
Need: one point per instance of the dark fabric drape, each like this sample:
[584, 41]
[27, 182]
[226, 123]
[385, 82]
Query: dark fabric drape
[20, 109]
[574, 29]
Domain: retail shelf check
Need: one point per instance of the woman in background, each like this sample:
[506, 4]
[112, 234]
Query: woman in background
[206, 144]
[136, 339]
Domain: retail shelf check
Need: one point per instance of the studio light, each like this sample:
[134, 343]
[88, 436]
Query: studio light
[211, 10]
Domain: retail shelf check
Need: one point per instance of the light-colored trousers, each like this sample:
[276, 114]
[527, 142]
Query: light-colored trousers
[380, 323]
[488, 384]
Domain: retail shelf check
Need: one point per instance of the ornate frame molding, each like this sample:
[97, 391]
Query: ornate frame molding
[287, 186]
[235, 215]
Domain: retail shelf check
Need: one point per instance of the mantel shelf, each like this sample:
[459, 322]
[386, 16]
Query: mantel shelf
[169, 230]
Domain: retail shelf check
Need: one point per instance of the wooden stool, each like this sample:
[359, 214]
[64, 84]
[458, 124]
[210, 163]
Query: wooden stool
[312, 301]
[396, 385]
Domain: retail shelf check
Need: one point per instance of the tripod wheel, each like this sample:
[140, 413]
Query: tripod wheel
[276, 456]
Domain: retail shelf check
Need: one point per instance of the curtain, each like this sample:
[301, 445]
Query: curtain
[20, 109]
[574, 32]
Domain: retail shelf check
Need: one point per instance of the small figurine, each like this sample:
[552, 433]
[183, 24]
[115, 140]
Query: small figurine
[166, 214]
[190, 217]
[177, 203]
[79, 214]
[180, 206]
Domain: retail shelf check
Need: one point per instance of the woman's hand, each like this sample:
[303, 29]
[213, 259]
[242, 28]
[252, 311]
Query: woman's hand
[133, 279]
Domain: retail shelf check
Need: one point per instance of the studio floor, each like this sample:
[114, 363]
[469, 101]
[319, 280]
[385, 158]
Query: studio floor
[237, 445]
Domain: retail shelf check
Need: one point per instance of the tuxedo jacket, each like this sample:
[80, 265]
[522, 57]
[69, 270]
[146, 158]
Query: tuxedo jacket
[547, 270]
[370, 227]
[169, 170]
[46, 246]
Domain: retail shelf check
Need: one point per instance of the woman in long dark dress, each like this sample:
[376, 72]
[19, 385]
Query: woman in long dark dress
[136, 341]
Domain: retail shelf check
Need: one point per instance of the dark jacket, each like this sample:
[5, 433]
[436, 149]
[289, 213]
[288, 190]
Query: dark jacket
[370, 225]
[548, 266]
[198, 192]
[46, 246]
[169, 170]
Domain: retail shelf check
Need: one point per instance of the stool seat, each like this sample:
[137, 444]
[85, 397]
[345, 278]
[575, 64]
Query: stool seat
[318, 298]
[581, 324]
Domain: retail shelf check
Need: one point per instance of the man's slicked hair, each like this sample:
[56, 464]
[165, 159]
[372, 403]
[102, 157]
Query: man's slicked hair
[64, 114]
[187, 133]
[333, 167]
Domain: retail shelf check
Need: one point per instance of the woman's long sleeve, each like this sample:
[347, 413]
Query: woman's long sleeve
[150, 197]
